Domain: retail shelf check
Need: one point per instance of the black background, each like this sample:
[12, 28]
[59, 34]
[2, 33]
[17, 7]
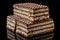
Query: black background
[6, 7]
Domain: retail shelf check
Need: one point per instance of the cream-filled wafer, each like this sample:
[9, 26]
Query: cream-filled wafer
[33, 16]
[35, 28]
[36, 25]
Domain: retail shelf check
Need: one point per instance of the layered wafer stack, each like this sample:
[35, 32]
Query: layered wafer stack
[31, 11]
[29, 20]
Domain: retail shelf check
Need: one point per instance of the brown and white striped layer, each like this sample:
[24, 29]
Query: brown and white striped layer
[29, 24]
[43, 31]
[10, 23]
[26, 21]
[10, 27]
[32, 32]
[36, 24]
[30, 7]
[35, 28]
[42, 14]
[37, 37]
[34, 17]
[31, 14]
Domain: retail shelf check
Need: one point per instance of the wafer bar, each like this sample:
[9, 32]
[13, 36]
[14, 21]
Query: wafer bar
[35, 28]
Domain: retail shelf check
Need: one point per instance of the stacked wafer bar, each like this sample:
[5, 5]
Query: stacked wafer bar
[29, 20]
[31, 11]
[30, 29]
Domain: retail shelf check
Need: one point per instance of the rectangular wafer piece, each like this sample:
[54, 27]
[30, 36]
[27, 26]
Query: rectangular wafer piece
[42, 13]
[35, 27]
